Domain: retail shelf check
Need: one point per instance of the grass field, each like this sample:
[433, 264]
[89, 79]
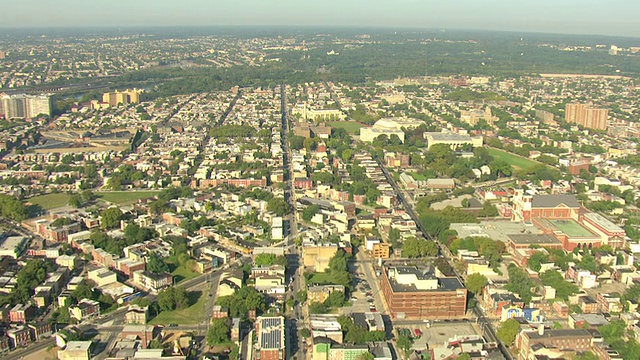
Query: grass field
[352, 127]
[321, 278]
[50, 201]
[182, 273]
[125, 197]
[571, 228]
[191, 315]
[417, 177]
[514, 160]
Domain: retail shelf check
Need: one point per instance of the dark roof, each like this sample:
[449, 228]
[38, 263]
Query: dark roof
[360, 320]
[271, 333]
[561, 333]
[450, 283]
[323, 340]
[505, 297]
[551, 201]
[154, 276]
[538, 239]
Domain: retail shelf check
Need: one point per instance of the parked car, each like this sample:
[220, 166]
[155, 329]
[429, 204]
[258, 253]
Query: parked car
[417, 332]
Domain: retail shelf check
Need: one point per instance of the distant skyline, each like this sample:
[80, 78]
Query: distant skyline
[586, 17]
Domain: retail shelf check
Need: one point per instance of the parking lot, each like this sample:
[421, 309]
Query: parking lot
[363, 298]
[366, 296]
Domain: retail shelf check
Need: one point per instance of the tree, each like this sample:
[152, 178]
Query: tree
[366, 356]
[338, 263]
[305, 333]
[500, 168]
[520, 283]
[301, 296]
[588, 262]
[318, 308]
[243, 300]
[564, 289]
[335, 299]
[404, 343]
[156, 264]
[414, 248]
[476, 282]
[219, 332]
[173, 298]
[264, 259]
[110, 218]
[309, 212]
[76, 201]
[536, 260]
[508, 331]
[12, 208]
[278, 206]
[347, 154]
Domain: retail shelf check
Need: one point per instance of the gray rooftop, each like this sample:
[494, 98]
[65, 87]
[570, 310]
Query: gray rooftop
[551, 201]
[603, 221]
[561, 333]
[540, 239]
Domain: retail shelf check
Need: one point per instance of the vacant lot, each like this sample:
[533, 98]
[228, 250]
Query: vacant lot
[125, 197]
[191, 315]
[50, 201]
[514, 160]
[183, 273]
[352, 127]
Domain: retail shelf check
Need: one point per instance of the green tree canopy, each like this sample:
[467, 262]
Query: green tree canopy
[110, 218]
[219, 332]
[414, 247]
[278, 206]
[508, 331]
[476, 282]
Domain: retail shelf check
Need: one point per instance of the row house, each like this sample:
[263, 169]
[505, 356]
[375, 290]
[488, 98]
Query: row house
[609, 304]
[151, 281]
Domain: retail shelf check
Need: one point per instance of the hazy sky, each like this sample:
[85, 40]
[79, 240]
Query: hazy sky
[607, 17]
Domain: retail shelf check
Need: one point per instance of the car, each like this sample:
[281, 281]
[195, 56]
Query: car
[373, 309]
[370, 300]
[417, 332]
[173, 325]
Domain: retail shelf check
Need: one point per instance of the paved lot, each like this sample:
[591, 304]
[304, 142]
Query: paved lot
[364, 275]
[438, 333]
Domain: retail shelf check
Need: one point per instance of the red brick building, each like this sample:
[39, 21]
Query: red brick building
[576, 166]
[21, 313]
[557, 206]
[19, 336]
[220, 312]
[567, 339]
[303, 183]
[417, 294]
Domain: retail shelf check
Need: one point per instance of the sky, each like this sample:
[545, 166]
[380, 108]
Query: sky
[601, 17]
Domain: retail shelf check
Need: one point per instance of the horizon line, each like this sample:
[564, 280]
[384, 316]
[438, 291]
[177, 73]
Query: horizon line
[389, 28]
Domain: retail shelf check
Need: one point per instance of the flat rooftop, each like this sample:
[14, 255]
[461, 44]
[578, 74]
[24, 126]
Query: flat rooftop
[494, 229]
[12, 242]
[540, 239]
[271, 333]
[604, 222]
